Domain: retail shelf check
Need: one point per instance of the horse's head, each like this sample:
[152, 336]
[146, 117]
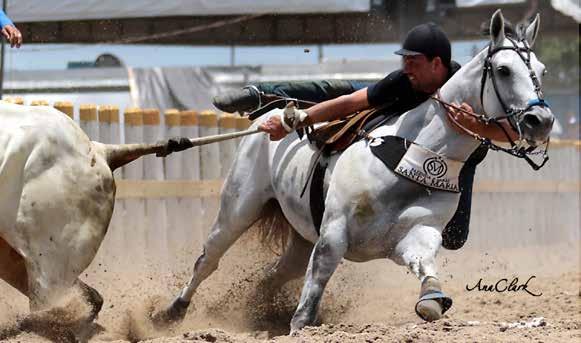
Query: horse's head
[511, 81]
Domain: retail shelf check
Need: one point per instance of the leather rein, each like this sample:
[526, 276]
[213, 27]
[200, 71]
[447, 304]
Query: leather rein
[512, 115]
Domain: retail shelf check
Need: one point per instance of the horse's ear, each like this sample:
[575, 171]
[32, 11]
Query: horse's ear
[497, 28]
[532, 30]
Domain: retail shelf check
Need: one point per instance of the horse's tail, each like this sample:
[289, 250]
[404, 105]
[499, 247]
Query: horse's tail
[274, 228]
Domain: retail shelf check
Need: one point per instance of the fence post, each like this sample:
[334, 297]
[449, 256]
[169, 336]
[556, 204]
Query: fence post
[65, 107]
[227, 124]
[114, 240]
[194, 234]
[134, 217]
[104, 118]
[176, 221]
[242, 123]
[209, 164]
[155, 208]
[88, 120]
[39, 102]
[15, 100]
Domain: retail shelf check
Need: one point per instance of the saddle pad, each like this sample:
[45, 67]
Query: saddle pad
[417, 164]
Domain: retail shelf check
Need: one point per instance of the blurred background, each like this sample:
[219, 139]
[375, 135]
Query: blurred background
[179, 53]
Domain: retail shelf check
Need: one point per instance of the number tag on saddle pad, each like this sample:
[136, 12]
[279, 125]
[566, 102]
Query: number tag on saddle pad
[430, 169]
[417, 163]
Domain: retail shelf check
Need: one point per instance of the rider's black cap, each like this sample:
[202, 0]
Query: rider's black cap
[427, 39]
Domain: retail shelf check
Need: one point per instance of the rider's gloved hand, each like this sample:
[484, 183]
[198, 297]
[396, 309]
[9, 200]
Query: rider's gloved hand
[293, 118]
[176, 144]
[279, 126]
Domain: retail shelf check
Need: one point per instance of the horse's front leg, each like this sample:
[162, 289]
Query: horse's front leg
[418, 252]
[326, 256]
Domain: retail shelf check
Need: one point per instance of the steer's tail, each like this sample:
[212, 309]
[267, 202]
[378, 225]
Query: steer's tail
[118, 155]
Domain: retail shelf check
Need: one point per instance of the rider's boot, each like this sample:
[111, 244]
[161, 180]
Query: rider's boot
[241, 100]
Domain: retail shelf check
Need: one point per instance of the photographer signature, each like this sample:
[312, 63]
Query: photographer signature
[503, 285]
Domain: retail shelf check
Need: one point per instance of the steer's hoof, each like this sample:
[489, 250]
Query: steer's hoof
[432, 306]
[175, 313]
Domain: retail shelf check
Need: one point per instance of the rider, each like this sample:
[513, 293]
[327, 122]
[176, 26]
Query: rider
[427, 65]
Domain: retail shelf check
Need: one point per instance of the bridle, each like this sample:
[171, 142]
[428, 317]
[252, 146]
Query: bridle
[512, 115]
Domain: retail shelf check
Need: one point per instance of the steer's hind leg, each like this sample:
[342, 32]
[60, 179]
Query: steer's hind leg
[93, 298]
[13, 268]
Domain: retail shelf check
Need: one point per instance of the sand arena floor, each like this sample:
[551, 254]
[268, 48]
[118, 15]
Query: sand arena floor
[370, 302]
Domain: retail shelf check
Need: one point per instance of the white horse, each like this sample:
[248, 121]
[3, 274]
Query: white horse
[372, 212]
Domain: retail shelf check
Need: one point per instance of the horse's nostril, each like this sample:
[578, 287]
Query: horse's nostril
[531, 120]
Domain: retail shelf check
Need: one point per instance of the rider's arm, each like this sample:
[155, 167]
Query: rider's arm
[4, 20]
[337, 108]
[393, 87]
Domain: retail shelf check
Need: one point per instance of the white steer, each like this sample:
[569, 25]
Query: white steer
[56, 199]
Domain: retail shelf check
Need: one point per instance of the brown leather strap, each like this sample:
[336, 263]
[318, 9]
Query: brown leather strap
[358, 118]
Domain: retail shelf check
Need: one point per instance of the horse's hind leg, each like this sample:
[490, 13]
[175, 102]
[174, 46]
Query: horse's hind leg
[269, 308]
[326, 256]
[246, 190]
[291, 265]
[227, 228]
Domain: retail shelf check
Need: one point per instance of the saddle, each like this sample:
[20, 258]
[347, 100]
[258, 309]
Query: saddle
[339, 134]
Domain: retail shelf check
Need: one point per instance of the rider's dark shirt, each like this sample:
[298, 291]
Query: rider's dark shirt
[395, 91]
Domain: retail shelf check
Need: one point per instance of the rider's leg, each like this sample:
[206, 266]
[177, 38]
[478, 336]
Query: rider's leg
[315, 91]
[455, 234]
[248, 98]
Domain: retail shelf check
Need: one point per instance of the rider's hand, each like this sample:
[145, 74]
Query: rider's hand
[471, 122]
[12, 35]
[273, 126]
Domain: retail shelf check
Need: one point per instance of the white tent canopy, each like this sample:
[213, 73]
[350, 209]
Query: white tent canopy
[55, 10]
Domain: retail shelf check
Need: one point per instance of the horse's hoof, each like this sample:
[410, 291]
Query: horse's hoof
[433, 305]
[429, 310]
[175, 313]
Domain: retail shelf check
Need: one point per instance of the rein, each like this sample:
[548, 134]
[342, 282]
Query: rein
[512, 115]
[514, 150]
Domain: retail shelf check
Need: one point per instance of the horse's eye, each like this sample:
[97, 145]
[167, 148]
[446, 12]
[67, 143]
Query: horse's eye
[504, 71]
